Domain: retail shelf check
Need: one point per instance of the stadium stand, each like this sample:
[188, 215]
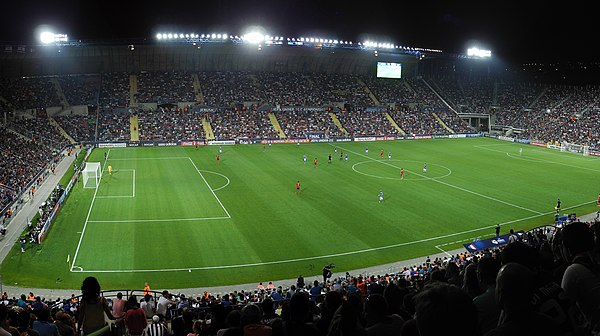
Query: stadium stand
[387, 301]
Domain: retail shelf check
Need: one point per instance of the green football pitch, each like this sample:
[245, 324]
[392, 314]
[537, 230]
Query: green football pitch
[177, 218]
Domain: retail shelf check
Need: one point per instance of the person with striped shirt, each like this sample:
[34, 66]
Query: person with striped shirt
[156, 328]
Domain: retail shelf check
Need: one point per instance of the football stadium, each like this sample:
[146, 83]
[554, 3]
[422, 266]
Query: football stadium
[295, 174]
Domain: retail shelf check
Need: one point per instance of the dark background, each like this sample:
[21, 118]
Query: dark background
[523, 31]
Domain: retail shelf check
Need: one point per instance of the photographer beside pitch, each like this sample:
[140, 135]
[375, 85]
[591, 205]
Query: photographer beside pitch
[327, 273]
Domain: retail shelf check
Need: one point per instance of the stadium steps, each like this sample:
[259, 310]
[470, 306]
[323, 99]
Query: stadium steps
[62, 131]
[369, 92]
[197, 89]
[442, 122]
[207, 129]
[409, 87]
[133, 89]
[134, 128]
[276, 125]
[22, 136]
[59, 92]
[337, 123]
[393, 122]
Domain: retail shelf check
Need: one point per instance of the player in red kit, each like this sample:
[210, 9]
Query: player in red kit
[298, 187]
[316, 162]
[402, 173]
[218, 158]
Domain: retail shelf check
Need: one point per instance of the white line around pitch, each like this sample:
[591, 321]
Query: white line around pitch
[534, 159]
[159, 158]
[447, 184]
[88, 214]
[156, 220]
[329, 255]
[209, 188]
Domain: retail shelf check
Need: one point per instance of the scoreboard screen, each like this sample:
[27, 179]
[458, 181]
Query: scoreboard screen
[389, 70]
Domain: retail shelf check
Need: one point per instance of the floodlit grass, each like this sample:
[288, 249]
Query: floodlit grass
[176, 218]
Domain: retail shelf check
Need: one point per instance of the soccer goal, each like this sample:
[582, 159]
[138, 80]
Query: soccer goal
[575, 148]
[92, 173]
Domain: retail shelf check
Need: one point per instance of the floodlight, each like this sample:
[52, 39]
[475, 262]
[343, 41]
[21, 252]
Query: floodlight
[479, 52]
[225, 36]
[254, 37]
[46, 37]
[170, 36]
[180, 35]
[213, 35]
[187, 35]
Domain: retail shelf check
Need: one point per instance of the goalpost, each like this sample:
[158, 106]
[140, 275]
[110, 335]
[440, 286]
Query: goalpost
[92, 173]
[575, 148]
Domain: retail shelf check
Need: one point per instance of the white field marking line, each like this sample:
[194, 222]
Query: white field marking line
[439, 247]
[397, 178]
[329, 255]
[156, 220]
[88, 214]
[449, 185]
[466, 240]
[159, 158]
[123, 196]
[212, 172]
[443, 251]
[523, 158]
[208, 185]
[540, 160]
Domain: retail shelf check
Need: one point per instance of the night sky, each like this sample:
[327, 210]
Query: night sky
[523, 31]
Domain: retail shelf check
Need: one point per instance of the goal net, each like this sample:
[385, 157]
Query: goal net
[91, 174]
[575, 148]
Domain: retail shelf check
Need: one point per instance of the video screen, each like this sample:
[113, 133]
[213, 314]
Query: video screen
[389, 70]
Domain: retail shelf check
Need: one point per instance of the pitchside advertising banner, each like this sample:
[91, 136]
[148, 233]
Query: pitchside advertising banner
[490, 243]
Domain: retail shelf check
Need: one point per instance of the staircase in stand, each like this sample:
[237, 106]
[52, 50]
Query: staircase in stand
[207, 129]
[62, 131]
[442, 122]
[276, 125]
[337, 123]
[134, 127]
[133, 89]
[197, 89]
[393, 122]
[60, 93]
